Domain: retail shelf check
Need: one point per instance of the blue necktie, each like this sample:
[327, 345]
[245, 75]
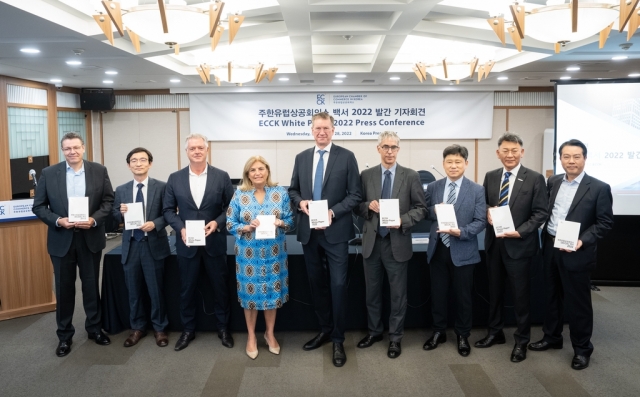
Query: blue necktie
[451, 199]
[137, 233]
[504, 190]
[317, 182]
[386, 194]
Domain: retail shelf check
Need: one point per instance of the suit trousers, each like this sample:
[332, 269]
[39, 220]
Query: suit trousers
[142, 268]
[327, 267]
[381, 259]
[64, 269]
[217, 271]
[443, 272]
[575, 288]
[502, 268]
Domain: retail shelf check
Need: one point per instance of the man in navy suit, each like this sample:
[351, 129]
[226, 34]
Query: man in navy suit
[144, 249]
[453, 253]
[201, 192]
[326, 172]
[577, 197]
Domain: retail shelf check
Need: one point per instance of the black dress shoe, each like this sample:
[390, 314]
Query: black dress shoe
[185, 338]
[394, 350]
[490, 340]
[519, 353]
[316, 342]
[64, 347]
[100, 338]
[227, 339]
[463, 346]
[435, 340]
[543, 345]
[369, 340]
[579, 362]
[339, 357]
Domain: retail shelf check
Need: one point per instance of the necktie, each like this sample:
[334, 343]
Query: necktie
[317, 182]
[137, 233]
[451, 199]
[504, 190]
[386, 194]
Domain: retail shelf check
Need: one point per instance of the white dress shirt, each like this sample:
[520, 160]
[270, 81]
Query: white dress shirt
[316, 158]
[197, 184]
[564, 198]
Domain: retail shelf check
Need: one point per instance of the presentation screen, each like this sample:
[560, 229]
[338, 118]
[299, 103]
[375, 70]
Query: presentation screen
[606, 117]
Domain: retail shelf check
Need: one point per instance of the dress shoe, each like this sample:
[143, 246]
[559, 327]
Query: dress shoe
[519, 353]
[162, 339]
[369, 340]
[64, 347]
[185, 338]
[227, 339]
[339, 357]
[463, 346]
[543, 345]
[435, 340]
[134, 337]
[100, 338]
[579, 362]
[273, 350]
[252, 355]
[316, 342]
[394, 350]
[490, 340]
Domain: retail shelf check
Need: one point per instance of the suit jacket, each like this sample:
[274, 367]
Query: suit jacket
[408, 190]
[217, 195]
[471, 214]
[157, 238]
[592, 207]
[51, 202]
[340, 187]
[528, 204]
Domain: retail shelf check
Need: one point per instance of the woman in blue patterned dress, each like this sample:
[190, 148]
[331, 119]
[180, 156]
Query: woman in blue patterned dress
[261, 265]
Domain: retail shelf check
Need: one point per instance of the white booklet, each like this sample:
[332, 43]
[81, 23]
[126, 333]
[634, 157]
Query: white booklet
[134, 217]
[389, 212]
[267, 228]
[318, 214]
[446, 217]
[567, 234]
[502, 220]
[78, 209]
[195, 233]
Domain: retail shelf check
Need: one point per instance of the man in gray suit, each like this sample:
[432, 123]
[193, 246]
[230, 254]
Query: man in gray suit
[388, 248]
[453, 253]
[144, 249]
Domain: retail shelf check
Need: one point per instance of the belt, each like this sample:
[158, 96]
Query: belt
[551, 237]
[145, 238]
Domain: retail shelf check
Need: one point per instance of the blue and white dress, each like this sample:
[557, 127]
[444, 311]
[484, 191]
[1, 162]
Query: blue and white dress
[262, 271]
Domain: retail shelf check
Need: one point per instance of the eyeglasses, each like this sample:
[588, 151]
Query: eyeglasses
[141, 161]
[386, 148]
[69, 149]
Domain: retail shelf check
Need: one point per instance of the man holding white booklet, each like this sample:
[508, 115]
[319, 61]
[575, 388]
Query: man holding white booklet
[580, 208]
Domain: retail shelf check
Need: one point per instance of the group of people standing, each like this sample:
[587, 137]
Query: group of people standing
[330, 172]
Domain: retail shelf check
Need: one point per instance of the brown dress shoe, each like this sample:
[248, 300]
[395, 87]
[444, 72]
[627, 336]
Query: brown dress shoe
[161, 338]
[134, 337]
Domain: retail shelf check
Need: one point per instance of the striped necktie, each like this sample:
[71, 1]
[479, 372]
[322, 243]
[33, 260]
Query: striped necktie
[451, 199]
[504, 190]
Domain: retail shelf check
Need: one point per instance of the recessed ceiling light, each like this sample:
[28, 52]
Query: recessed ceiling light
[30, 50]
[503, 78]
[341, 76]
[337, 81]
[110, 72]
[175, 80]
[565, 78]
[394, 78]
[283, 79]
[573, 68]
[107, 81]
[55, 80]
[74, 63]
[619, 57]
[634, 75]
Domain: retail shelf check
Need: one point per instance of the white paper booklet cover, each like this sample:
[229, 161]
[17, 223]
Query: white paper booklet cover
[502, 220]
[567, 234]
[134, 217]
[318, 214]
[267, 228]
[195, 233]
[446, 217]
[389, 212]
[78, 209]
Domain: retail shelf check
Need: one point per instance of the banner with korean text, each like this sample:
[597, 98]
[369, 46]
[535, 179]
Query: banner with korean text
[16, 210]
[358, 115]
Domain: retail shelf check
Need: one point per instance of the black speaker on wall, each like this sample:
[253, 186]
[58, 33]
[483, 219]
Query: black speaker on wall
[97, 99]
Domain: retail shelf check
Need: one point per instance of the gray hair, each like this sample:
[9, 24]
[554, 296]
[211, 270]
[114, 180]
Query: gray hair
[71, 135]
[388, 135]
[510, 137]
[194, 136]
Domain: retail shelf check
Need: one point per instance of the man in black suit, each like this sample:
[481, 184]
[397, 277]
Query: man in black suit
[388, 248]
[72, 244]
[509, 254]
[326, 172]
[576, 197]
[144, 249]
[201, 192]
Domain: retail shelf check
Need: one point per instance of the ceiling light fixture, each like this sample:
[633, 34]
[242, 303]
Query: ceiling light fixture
[175, 80]
[111, 72]
[55, 81]
[503, 78]
[30, 50]
[107, 81]
[634, 75]
[573, 68]
[565, 78]
[283, 79]
[337, 81]
[394, 78]
[619, 58]
[341, 76]
[74, 63]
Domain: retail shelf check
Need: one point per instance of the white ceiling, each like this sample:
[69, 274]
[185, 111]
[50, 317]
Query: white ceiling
[306, 38]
